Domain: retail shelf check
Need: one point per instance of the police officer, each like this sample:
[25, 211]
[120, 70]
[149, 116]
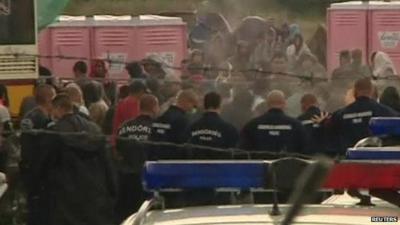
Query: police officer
[274, 131]
[309, 107]
[140, 128]
[352, 122]
[211, 130]
[172, 126]
[131, 150]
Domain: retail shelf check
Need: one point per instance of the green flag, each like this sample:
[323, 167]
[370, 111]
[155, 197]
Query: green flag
[48, 10]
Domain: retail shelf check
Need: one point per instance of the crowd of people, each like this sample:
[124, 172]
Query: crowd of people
[256, 100]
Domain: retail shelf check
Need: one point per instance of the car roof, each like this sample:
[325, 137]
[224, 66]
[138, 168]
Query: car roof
[336, 210]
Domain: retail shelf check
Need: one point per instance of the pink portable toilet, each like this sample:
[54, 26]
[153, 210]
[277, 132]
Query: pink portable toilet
[369, 26]
[125, 39]
[162, 36]
[45, 48]
[347, 30]
[384, 33]
[68, 38]
[116, 39]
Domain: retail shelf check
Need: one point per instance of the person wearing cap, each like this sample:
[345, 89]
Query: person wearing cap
[154, 67]
[274, 131]
[128, 108]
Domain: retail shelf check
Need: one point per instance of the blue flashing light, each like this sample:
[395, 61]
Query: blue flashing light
[385, 126]
[205, 174]
[388, 153]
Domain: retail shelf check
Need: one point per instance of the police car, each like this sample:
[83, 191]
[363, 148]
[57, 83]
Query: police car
[365, 169]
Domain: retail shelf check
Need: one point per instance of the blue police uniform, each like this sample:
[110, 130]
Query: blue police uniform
[138, 129]
[210, 130]
[316, 138]
[274, 131]
[132, 152]
[170, 127]
[352, 122]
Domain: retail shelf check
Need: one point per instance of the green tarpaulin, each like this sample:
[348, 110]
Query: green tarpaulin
[48, 10]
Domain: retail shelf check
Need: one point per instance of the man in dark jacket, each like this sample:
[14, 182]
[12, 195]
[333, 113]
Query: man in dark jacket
[38, 118]
[76, 170]
[352, 122]
[173, 124]
[309, 107]
[131, 150]
[140, 128]
[274, 131]
[210, 130]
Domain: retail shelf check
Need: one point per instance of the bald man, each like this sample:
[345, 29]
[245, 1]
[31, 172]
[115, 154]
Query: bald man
[131, 194]
[352, 122]
[140, 127]
[172, 126]
[274, 131]
[37, 118]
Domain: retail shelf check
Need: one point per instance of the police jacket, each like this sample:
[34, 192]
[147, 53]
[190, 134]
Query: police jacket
[315, 136]
[138, 129]
[130, 147]
[171, 126]
[274, 131]
[210, 130]
[352, 121]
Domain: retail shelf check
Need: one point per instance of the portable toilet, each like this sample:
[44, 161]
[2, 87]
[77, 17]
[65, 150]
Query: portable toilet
[369, 26]
[69, 37]
[117, 39]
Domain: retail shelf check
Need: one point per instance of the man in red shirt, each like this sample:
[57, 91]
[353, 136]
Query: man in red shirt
[128, 108]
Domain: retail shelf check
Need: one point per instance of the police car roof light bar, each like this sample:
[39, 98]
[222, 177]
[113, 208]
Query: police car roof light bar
[204, 174]
[181, 175]
[385, 126]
